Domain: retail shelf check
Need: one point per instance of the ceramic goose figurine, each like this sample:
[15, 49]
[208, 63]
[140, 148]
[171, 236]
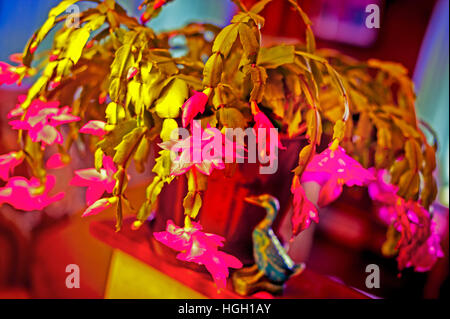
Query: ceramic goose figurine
[273, 265]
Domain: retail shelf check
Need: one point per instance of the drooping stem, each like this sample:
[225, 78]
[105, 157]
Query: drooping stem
[121, 175]
[432, 132]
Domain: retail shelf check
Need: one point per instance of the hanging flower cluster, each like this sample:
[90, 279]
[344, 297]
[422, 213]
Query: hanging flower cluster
[97, 182]
[413, 235]
[113, 86]
[199, 247]
[198, 151]
[332, 169]
[29, 195]
[41, 120]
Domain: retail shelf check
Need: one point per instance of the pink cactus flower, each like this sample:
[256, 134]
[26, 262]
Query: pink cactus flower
[419, 245]
[96, 182]
[332, 169]
[8, 162]
[28, 195]
[41, 121]
[96, 128]
[424, 255]
[194, 105]
[201, 248]
[262, 122]
[56, 161]
[8, 74]
[98, 206]
[196, 151]
[380, 189]
[303, 209]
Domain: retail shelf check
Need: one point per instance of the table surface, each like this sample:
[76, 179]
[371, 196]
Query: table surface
[141, 245]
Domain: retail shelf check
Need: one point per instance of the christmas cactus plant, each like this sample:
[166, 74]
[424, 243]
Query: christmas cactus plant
[114, 84]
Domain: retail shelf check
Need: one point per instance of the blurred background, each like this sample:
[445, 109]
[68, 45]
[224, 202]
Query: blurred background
[35, 247]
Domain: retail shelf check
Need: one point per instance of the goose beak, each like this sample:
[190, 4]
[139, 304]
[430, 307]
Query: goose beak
[253, 200]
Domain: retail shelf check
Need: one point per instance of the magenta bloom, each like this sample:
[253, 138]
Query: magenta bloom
[332, 169]
[304, 209]
[7, 74]
[27, 195]
[262, 122]
[204, 150]
[96, 128]
[8, 162]
[55, 162]
[419, 245]
[41, 121]
[380, 189]
[194, 105]
[96, 182]
[423, 257]
[201, 248]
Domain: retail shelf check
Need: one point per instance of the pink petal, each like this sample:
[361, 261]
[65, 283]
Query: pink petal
[86, 177]
[109, 166]
[55, 162]
[336, 164]
[174, 237]
[380, 190]
[262, 122]
[19, 125]
[194, 105]
[63, 119]
[329, 192]
[201, 248]
[96, 128]
[94, 192]
[109, 184]
[97, 207]
[303, 209]
[19, 193]
[47, 134]
[7, 75]
[7, 164]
